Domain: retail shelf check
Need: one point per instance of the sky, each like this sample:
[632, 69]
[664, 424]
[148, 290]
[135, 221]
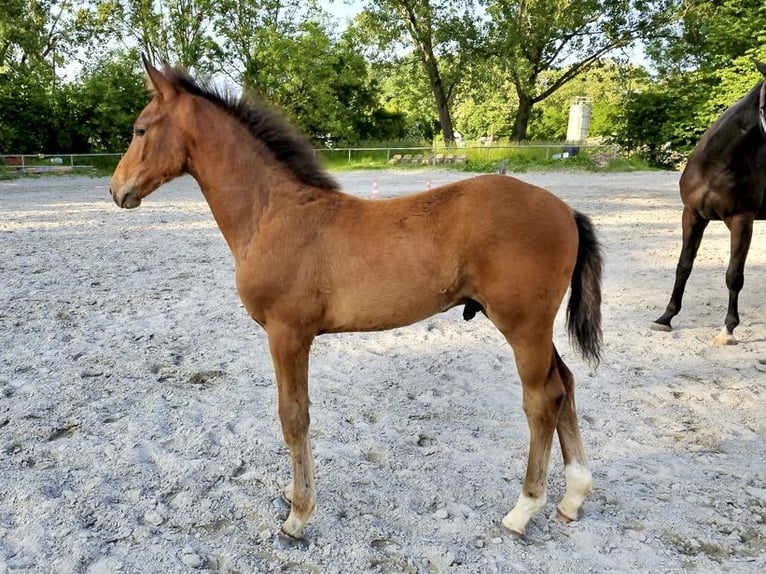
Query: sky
[342, 9]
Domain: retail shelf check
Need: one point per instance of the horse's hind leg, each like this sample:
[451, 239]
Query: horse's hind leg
[741, 233]
[578, 477]
[290, 354]
[543, 393]
[693, 226]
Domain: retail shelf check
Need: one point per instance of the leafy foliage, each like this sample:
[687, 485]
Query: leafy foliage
[436, 32]
[705, 65]
[108, 99]
[531, 37]
[70, 78]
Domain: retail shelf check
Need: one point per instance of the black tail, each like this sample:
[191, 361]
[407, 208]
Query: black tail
[584, 308]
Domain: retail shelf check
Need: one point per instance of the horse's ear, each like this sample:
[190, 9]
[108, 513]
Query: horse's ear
[158, 83]
[761, 67]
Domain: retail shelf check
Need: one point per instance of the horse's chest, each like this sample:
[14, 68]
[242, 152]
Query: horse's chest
[282, 292]
[255, 291]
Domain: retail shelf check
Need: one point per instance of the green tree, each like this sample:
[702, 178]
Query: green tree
[321, 83]
[713, 48]
[26, 112]
[482, 109]
[180, 32]
[403, 92]
[435, 30]
[247, 28]
[109, 96]
[705, 64]
[606, 86]
[31, 31]
[532, 37]
[35, 37]
[709, 35]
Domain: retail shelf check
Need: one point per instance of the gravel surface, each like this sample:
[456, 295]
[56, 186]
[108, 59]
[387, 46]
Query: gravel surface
[138, 427]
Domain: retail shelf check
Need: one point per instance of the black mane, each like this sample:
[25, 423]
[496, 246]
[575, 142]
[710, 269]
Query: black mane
[267, 125]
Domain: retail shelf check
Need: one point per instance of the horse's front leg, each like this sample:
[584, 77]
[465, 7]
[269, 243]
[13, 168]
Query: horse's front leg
[290, 354]
[693, 226]
[741, 234]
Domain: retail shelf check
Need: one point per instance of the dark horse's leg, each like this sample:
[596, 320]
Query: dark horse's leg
[693, 226]
[741, 230]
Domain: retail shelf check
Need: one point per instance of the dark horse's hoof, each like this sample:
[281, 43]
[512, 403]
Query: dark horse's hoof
[655, 326]
[725, 337]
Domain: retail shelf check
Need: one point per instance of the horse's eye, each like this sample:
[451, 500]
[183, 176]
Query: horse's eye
[139, 131]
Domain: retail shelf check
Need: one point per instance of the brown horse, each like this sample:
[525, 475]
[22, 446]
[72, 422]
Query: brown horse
[311, 260]
[724, 180]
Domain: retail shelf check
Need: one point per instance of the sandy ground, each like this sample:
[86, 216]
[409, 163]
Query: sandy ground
[138, 428]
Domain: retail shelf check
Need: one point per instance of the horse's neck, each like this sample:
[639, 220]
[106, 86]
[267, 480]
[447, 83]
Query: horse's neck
[733, 130]
[232, 170]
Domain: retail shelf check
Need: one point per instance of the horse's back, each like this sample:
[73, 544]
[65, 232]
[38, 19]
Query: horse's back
[495, 216]
[529, 219]
[488, 238]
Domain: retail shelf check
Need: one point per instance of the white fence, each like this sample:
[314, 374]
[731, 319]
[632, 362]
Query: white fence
[42, 163]
[392, 155]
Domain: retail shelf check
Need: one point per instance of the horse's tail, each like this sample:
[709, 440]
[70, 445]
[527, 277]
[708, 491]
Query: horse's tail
[584, 308]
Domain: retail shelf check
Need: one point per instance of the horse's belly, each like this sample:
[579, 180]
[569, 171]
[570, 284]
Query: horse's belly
[378, 307]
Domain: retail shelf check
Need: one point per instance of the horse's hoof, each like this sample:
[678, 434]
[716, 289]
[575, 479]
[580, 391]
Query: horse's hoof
[513, 532]
[725, 338]
[284, 541]
[563, 518]
[660, 327]
[513, 526]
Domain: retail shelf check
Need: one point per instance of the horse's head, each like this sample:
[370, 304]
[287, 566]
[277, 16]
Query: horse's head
[762, 98]
[157, 152]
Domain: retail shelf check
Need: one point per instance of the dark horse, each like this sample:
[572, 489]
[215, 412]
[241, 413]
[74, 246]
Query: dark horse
[311, 259]
[724, 180]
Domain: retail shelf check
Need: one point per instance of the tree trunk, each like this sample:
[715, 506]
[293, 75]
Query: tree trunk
[442, 106]
[523, 115]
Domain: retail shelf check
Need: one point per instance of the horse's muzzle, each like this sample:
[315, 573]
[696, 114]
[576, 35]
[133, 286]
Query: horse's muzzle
[126, 198]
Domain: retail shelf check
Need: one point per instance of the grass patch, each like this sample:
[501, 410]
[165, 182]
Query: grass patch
[516, 158]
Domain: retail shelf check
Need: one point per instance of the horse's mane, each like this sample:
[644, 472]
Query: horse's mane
[266, 124]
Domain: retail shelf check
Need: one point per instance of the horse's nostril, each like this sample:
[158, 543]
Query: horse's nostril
[129, 200]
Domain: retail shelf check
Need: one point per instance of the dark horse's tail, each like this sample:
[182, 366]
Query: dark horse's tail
[584, 308]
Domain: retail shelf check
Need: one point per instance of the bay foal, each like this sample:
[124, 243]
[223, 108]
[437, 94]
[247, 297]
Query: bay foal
[311, 259]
